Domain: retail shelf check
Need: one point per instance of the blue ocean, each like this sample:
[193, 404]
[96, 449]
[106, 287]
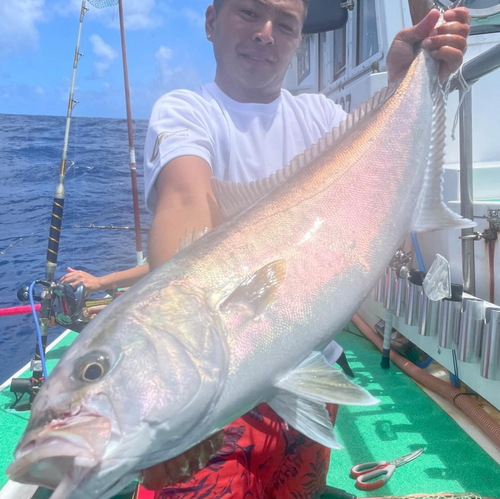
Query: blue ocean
[98, 192]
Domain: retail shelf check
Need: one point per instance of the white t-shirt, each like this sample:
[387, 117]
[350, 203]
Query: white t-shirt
[240, 141]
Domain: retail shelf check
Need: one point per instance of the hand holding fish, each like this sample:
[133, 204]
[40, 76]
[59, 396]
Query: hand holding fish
[447, 43]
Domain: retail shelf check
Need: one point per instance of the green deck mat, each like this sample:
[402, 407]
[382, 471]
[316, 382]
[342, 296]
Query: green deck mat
[405, 420]
[13, 422]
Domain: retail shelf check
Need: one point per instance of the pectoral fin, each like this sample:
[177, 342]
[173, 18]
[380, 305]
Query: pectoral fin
[310, 418]
[302, 394]
[257, 291]
[315, 379]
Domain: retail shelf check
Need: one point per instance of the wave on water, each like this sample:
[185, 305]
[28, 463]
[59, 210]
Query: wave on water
[98, 191]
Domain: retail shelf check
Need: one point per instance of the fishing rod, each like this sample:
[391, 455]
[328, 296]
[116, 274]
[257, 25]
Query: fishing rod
[46, 297]
[26, 309]
[133, 170]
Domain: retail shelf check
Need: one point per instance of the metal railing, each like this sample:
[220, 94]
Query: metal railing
[470, 73]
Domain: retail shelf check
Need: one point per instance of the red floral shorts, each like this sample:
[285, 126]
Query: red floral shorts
[261, 458]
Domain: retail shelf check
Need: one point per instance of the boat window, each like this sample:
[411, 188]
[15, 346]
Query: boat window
[304, 59]
[324, 61]
[339, 53]
[485, 14]
[367, 39]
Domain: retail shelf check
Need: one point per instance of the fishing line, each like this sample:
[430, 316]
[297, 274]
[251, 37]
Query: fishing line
[38, 330]
[19, 239]
[464, 86]
[90, 226]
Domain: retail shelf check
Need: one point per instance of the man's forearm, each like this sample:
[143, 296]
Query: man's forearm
[123, 279]
[169, 228]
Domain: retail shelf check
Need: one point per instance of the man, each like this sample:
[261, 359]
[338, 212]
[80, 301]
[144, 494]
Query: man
[242, 127]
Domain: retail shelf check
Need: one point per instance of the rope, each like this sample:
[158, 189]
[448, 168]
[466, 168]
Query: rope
[458, 75]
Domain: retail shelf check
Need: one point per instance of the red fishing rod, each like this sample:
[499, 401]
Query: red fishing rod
[133, 170]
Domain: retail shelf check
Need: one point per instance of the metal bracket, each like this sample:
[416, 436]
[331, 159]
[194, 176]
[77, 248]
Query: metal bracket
[36, 365]
[475, 236]
[489, 234]
[494, 219]
[349, 5]
[401, 262]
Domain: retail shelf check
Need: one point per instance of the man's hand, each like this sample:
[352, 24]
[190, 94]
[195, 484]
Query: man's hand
[447, 43]
[77, 277]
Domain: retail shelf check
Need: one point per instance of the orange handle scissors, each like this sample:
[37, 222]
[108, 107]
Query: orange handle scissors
[366, 471]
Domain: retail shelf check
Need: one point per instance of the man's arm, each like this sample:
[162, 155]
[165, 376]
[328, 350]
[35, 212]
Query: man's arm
[185, 202]
[122, 279]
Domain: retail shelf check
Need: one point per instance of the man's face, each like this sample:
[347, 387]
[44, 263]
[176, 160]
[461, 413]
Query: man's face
[254, 41]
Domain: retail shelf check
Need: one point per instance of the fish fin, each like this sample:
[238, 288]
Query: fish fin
[191, 237]
[234, 197]
[316, 380]
[308, 417]
[257, 291]
[432, 213]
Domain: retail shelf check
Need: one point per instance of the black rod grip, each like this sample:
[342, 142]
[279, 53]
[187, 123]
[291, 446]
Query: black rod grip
[55, 230]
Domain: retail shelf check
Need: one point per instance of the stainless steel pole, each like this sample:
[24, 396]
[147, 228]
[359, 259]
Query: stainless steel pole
[466, 190]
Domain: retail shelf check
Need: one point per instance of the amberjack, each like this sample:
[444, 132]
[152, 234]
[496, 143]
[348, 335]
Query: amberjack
[240, 316]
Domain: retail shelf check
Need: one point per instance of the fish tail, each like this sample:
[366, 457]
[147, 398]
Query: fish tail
[432, 212]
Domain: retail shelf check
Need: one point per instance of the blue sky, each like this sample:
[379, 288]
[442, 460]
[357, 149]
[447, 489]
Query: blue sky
[166, 47]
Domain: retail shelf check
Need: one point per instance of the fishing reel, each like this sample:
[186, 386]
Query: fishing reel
[67, 310]
[67, 304]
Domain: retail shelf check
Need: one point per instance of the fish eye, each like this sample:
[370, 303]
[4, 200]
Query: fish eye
[92, 372]
[92, 367]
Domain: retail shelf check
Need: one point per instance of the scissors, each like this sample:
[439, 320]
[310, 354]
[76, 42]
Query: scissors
[365, 471]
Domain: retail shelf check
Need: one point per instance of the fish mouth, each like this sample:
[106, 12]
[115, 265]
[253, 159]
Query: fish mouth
[64, 450]
[47, 461]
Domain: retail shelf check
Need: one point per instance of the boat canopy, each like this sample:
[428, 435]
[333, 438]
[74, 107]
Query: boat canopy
[325, 15]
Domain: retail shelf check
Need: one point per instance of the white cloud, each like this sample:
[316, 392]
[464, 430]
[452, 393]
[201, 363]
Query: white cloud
[164, 53]
[195, 19]
[163, 67]
[138, 14]
[170, 76]
[18, 20]
[106, 54]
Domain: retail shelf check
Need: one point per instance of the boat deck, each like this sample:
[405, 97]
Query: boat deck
[405, 420]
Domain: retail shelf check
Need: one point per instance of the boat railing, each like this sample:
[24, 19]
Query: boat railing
[468, 74]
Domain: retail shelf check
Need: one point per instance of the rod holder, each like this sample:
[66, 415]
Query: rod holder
[414, 291]
[449, 318]
[379, 290]
[428, 316]
[390, 288]
[471, 328]
[490, 349]
[400, 296]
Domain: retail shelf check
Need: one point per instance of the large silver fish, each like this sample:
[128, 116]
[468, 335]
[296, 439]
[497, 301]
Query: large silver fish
[240, 316]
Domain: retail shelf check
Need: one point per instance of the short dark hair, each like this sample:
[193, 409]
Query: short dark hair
[218, 5]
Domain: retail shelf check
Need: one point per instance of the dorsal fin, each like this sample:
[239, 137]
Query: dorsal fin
[234, 197]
